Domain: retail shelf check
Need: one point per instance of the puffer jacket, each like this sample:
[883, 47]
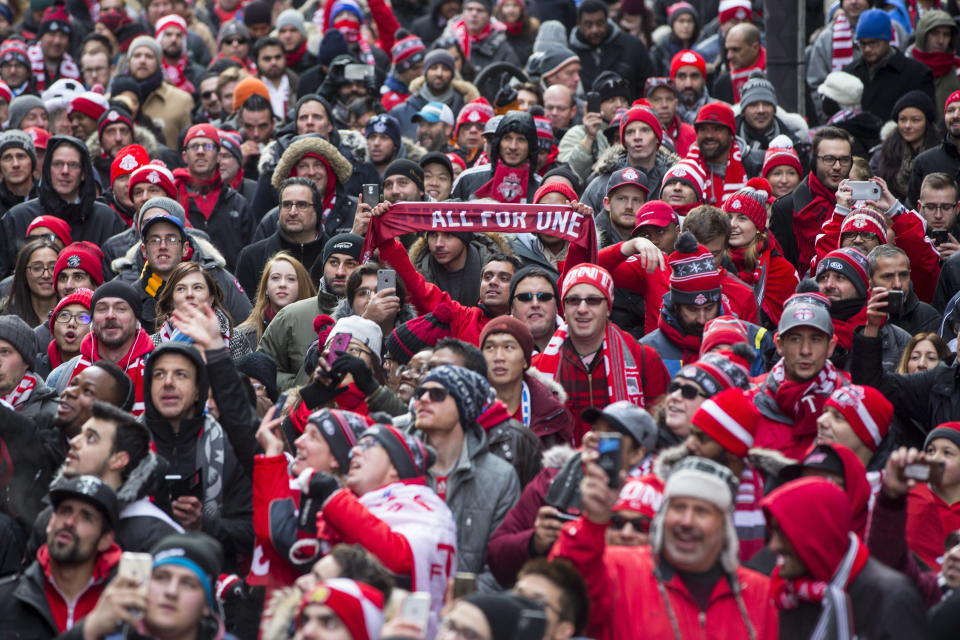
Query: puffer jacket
[619, 52]
[613, 159]
[89, 220]
[41, 406]
[484, 245]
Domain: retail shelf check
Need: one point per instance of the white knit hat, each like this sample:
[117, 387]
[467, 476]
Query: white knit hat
[366, 331]
[843, 88]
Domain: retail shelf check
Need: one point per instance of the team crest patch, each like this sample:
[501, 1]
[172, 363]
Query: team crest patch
[73, 261]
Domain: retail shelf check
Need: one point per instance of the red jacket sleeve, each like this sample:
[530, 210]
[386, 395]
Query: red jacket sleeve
[354, 524]
[781, 283]
[924, 259]
[387, 24]
[425, 296]
[828, 239]
[583, 542]
[270, 482]
[628, 274]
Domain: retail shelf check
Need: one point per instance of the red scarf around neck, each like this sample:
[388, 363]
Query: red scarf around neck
[788, 593]
[940, 63]
[734, 177]
[841, 41]
[807, 221]
[803, 402]
[206, 195]
[514, 28]
[293, 57]
[508, 184]
[689, 344]
[739, 77]
[176, 74]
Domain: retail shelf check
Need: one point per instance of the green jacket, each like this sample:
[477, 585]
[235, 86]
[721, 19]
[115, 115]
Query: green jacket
[290, 334]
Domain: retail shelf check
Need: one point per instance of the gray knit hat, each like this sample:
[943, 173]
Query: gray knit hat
[292, 18]
[19, 108]
[20, 336]
[146, 41]
[17, 139]
[172, 207]
[757, 89]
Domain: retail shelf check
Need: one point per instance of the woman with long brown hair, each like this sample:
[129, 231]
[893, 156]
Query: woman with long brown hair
[284, 280]
[33, 293]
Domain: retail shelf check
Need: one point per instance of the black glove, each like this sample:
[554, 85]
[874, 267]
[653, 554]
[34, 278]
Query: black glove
[312, 496]
[362, 375]
[317, 394]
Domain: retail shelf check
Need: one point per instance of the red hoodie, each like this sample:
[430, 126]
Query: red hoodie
[929, 520]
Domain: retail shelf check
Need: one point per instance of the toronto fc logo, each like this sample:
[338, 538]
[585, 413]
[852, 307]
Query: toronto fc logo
[510, 189]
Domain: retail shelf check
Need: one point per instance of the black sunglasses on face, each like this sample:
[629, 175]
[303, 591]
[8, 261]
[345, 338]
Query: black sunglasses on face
[688, 391]
[435, 394]
[541, 296]
[641, 524]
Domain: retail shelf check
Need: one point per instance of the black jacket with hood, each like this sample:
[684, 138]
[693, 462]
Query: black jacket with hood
[619, 52]
[88, 219]
[430, 26]
[228, 497]
[469, 181]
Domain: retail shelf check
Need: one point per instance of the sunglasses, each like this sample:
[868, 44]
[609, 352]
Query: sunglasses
[234, 41]
[575, 301]
[688, 391]
[641, 524]
[541, 296]
[435, 394]
[206, 95]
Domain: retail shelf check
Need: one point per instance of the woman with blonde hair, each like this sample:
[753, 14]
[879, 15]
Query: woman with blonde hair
[923, 352]
[284, 280]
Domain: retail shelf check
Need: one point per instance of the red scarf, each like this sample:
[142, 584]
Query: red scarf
[940, 63]
[788, 593]
[223, 16]
[842, 42]
[807, 221]
[53, 352]
[205, 199]
[719, 188]
[514, 28]
[176, 74]
[551, 159]
[293, 57]
[739, 76]
[19, 396]
[689, 344]
[508, 185]
[803, 402]
[133, 363]
[352, 399]
[237, 182]
[843, 329]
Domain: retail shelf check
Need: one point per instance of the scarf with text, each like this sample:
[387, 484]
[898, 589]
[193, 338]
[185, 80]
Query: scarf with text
[720, 187]
[19, 397]
[739, 76]
[802, 402]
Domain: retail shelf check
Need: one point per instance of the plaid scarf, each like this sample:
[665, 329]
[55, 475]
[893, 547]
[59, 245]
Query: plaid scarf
[19, 396]
[720, 187]
[842, 42]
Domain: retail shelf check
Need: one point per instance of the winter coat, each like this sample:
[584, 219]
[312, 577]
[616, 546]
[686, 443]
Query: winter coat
[580, 160]
[254, 257]
[550, 419]
[89, 220]
[8, 199]
[463, 92]
[493, 48]
[527, 248]
[429, 26]
[948, 284]
[929, 397]
[290, 334]
[892, 78]
[948, 82]
[231, 525]
[941, 158]
[624, 585]
[614, 159]
[480, 489]
[172, 107]
[563, 11]
[781, 222]
[141, 136]
[916, 317]
[619, 52]
[130, 269]
[230, 226]
[485, 244]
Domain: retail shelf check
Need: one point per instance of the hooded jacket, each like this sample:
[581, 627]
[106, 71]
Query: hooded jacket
[948, 82]
[89, 220]
[619, 52]
[472, 179]
[480, 249]
[942, 158]
[463, 92]
[430, 25]
[221, 449]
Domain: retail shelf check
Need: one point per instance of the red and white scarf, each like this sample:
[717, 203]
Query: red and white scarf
[67, 68]
[19, 396]
[803, 402]
[507, 185]
[842, 42]
[739, 76]
[176, 74]
[623, 375]
[132, 364]
[733, 179]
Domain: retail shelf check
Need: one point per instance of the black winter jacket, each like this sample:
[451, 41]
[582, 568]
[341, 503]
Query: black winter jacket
[254, 257]
[943, 157]
[917, 317]
[892, 79]
[24, 612]
[231, 225]
[619, 52]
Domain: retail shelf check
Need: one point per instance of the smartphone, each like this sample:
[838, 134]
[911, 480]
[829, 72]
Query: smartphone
[924, 471]
[593, 102]
[416, 608]
[356, 72]
[895, 302]
[338, 346]
[136, 567]
[610, 446]
[278, 407]
[464, 583]
[562, 517]
[190, 485]
[865, 190]
[939, 236]
[386, 279]
[371, 194]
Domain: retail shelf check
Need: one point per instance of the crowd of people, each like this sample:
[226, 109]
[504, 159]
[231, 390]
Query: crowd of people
[513, 320]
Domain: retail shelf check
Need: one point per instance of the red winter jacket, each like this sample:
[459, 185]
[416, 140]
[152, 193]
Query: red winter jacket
[929, 520]
[625, 601]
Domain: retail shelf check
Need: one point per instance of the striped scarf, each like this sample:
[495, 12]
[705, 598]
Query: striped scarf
[842, 42]
[19, 396]
[720, 187]
[67, 68]
[132, 364]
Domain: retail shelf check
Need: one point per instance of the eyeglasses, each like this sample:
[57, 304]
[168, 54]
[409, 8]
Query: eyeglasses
[364, 445]
[863, 235]
[206, 95]
[59, 165]
[65, 317]
[688, 391]
[299, 205]
[365, 292]
[234, 41]
[38, 269]
[575, 301]
[201, 146]
[932, 207]
[641, 524]
[843, 161]
[541, 296]
[435, 394]
[156, 241]
[449, 626]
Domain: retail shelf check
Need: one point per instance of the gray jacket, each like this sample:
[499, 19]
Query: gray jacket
[571, 151]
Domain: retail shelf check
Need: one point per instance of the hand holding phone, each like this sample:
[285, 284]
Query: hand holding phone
[865, 190]
[136, 567]
[386, 279]
[610, 446]
[338, 346]
[593, 102]
[416, 608]
[371, 194]
[895, 299]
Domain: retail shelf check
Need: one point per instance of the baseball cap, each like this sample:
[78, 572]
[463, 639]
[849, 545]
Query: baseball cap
[628, 175]
[806, 314]
[626, 418]
[170, 219]
[820, 458]
[89, 489]
[435, 112]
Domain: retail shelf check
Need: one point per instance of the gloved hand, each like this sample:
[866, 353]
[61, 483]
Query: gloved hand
[317, 394]
[315, 488]
[356, 367]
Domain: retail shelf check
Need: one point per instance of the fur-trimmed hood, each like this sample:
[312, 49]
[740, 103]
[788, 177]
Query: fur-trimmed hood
[203, 252]
[555, 387]
[557, 456]
[340, 165]
[489, 242]
[464, 88]
[769, 461]
[141, 136]
[614, 158]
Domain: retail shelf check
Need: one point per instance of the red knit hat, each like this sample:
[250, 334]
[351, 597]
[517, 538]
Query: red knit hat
[58, 226]
[89, 103]
[114, 116]
[643, 495]
[544, 132]
[358, 605]
[865, 220]
[730, 419]
[734, 10]
[867, 411]
[128, 160]
[418, 334]
[514, 327]
[202, 130]
[555, 187]
[722, 330]
[457, 160]
[80, 255]
[695, 278]
[171, 20]
[592, 274]
[655, 213]
[687, 58]
[749, 201]
[476, 111]
[717, 113]
[39, 136]
[407, 51]
[690, 173]
[953, 97]
[717, 371]
[55, 18]
[644, 115]
[80, 296]
[154, 174]
[777, 156]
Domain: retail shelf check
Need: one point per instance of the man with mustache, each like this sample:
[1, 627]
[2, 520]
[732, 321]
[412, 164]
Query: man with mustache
[688, 72]
[719, 152]
[71, 570]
